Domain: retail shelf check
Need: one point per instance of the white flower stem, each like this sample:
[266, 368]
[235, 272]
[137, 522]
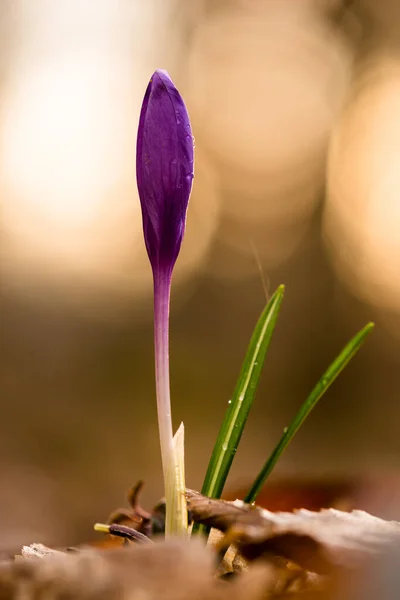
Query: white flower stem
[172, 449]
[162, 291]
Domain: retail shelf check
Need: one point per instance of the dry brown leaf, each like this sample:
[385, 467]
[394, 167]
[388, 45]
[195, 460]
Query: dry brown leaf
[38, 551]
[174, 570]
[317, 541]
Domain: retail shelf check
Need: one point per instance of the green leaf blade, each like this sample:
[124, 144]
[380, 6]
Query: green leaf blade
[236, 416]
[332, 372]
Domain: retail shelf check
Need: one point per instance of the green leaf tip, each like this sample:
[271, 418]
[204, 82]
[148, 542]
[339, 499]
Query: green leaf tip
[239, 406]
[332, 372]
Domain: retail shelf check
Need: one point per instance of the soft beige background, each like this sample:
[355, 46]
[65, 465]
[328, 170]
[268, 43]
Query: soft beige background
[295, 111]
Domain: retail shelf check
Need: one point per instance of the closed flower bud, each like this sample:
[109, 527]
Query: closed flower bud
[164, 168]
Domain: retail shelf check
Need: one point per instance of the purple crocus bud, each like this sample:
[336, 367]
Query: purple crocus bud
[164, 169]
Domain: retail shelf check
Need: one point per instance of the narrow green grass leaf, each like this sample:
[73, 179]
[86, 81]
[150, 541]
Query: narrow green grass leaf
[323, 384]
[239, 407]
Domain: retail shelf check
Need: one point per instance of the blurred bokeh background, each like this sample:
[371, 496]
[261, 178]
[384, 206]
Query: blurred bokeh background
[296, 116]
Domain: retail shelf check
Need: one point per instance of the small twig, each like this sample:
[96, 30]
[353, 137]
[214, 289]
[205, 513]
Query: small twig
[123, 531]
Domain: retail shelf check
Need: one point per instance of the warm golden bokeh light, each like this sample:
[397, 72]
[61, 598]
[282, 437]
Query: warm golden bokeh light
[264, 96]
[362, 220]
[70, 111]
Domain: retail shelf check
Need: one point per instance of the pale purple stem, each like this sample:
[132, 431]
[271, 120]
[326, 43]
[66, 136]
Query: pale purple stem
[162, 292]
